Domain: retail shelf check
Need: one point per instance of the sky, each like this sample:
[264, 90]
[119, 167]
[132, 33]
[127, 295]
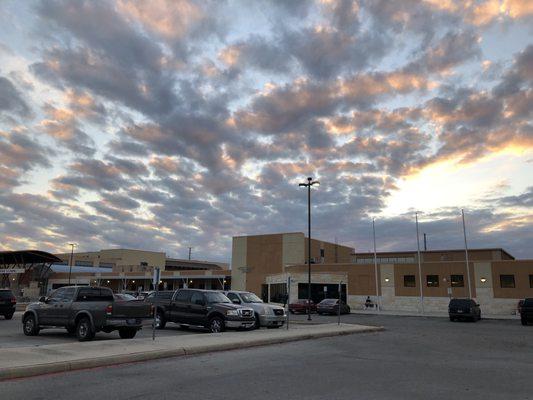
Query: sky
[163, 125]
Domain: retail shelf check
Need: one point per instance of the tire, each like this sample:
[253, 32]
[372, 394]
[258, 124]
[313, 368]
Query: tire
[184, 327]
[160, 321]
[216, 325]
[8, 316]
[30, 326]
[523, 321]
[71, 330]
[127, 333]
[452, 318]
[84, 330]
[257, 324]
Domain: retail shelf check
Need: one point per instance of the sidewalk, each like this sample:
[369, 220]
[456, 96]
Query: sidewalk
[30, 361]
[428, 314]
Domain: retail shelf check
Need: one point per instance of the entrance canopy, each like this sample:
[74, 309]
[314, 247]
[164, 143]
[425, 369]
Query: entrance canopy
[25, 258]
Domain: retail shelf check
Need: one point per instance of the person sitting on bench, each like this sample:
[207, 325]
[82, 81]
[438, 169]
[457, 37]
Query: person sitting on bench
[368, 303]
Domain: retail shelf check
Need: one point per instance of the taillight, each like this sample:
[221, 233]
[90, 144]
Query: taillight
[13, 300]
[109, 309]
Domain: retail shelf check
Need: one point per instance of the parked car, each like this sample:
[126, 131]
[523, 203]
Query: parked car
[526, 315]
[331, 306]
[302, 306]
[203, 308]
[464, 309]
[143, 295]
[85, 311]
[8, 303]
[268, 315]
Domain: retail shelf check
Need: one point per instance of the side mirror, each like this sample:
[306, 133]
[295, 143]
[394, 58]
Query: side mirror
[236, 301]
[42, 299]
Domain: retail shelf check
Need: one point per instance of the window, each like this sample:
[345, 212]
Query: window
[457, 281]
[198, 299]
[95, 294]
[183, 296]
[409, 281]
[167, 295]
[233, 296]
[432, 280]
[531, 281]
[68, 294]
[507, 281]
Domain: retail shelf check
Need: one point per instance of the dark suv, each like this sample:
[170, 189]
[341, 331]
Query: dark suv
[8, 303]
[204, 308]
[526, 312]
[464, 309]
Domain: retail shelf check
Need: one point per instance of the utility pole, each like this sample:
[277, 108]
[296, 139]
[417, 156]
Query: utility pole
[466, 256]
[419, 265]
[190, 249]
[425, 243]
[376, 264]
[71, 260]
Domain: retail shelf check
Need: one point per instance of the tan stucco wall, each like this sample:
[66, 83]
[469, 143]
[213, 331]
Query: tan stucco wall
[238, 263]
[293, 248]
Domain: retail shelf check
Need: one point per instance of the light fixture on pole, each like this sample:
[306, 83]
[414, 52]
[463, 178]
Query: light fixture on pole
[310, 182]
[72, 245]
[419, 265]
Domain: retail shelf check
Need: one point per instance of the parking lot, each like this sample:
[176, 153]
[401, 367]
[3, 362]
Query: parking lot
[414, 358]
[11, 334]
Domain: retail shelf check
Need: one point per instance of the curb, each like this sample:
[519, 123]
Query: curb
[74, 365]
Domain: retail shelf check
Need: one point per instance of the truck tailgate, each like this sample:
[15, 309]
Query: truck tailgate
[132, 309]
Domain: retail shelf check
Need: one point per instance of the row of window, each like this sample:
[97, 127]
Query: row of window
[386, 260]
[506, 281]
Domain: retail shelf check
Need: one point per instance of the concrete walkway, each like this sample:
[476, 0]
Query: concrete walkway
[428, 314]
[29, 361]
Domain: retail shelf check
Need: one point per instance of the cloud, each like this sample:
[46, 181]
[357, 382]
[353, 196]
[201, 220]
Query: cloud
[11, 100]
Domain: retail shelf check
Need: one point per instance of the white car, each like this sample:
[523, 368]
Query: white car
[266, 314]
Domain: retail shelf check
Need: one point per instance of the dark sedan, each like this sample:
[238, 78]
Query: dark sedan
[301, 306]
[331, 306]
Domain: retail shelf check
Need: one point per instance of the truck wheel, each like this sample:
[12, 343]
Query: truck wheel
[30, 326]
[160, 322]
[71, 330]
[127, 333]
[216, 325]
[8, 316]
[257, 324]
[84, 330]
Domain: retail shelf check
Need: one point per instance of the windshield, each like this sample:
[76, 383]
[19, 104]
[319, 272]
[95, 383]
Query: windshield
[329, 301]
[217, 298]
[250, 298]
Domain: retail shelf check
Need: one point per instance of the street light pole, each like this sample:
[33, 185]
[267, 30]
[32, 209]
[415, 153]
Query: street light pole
[71, 260]
[309, 183]
[419, 265]
[466, 256]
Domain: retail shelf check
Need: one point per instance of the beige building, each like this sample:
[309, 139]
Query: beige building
[132, 270]
[496, 280]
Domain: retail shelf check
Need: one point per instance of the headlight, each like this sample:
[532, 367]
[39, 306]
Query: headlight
[267, 310]
[232, 312]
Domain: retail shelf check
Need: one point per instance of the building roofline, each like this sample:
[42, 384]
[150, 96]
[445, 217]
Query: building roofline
[437, 251]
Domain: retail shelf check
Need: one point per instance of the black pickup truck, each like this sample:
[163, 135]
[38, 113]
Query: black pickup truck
[204, 308]
[526, 311]
[85, 310]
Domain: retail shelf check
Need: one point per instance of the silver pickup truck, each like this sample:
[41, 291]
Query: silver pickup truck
[266, 314]
[85, 310]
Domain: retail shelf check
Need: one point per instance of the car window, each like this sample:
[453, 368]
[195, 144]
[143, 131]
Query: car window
[198, 299]
[151, 295]
[233, 296]
[68, 294]
[215, 297]
[6, 294]
[250, 298]
[95, 294]
[183, 296]
[164, 295]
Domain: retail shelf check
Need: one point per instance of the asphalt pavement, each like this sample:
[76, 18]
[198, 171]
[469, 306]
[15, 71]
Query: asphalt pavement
[414, 358]
[11, 334]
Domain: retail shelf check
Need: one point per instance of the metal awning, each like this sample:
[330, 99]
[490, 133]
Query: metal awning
[26, 257]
